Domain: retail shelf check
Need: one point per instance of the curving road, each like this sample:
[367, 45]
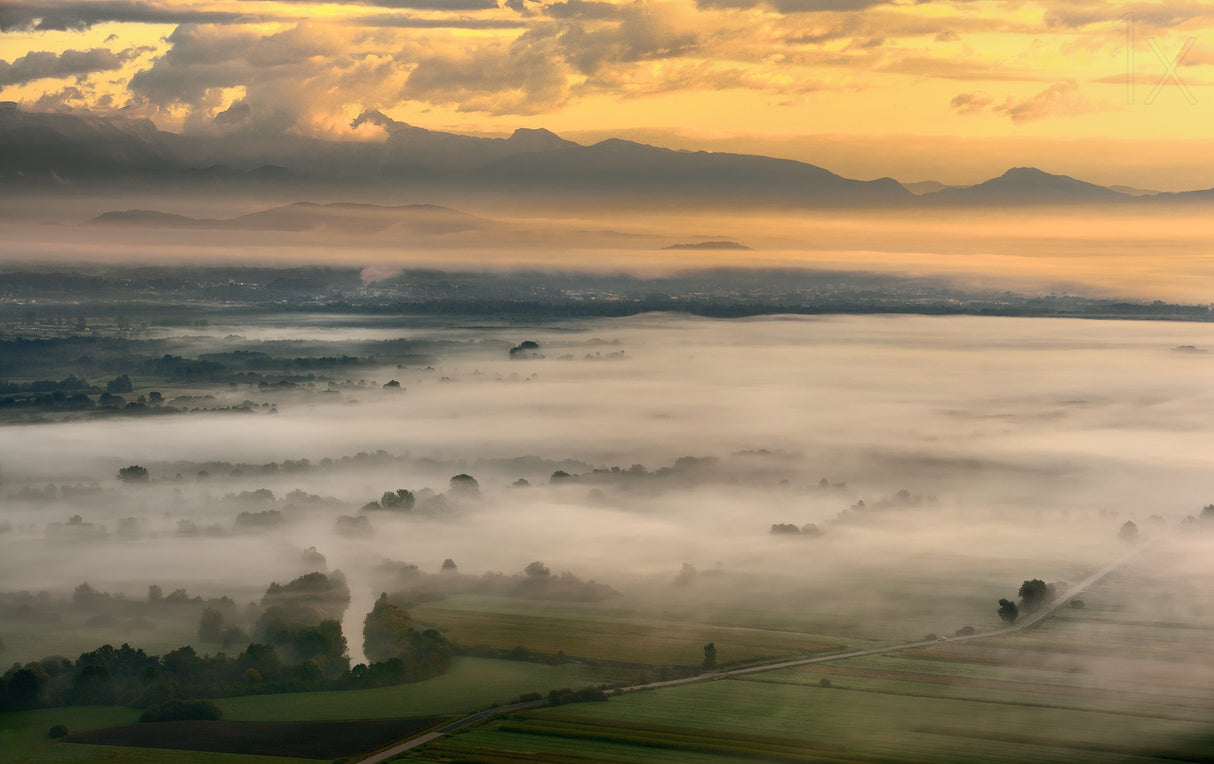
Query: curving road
[1023, 623]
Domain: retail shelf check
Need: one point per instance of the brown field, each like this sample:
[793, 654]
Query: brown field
[307, 740]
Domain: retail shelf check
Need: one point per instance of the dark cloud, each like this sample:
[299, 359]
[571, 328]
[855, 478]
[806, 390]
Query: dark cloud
[64, 16]
[70, 63]
[971, 103]
[302, 78]
[200, 58]
[637, 35]
[1163, 15]
[792, 6]
[415, 5]
[524, 7]
[582, 9]
[531, 74]
[404, 21]
[526, 77]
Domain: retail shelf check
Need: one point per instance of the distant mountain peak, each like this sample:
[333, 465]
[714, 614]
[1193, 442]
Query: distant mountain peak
[533, 133]
[377, 117]
[1028, 172]
[1028, 185]
[537, 139]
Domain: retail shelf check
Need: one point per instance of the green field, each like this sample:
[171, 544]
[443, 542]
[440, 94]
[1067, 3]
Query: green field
[1128, 677]
[504, 624]
[1122, 679]
[23, 740]
[471, 685]
[805, 722]
[70, 637]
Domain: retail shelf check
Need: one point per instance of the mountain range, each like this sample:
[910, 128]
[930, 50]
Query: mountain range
[308, 216]
[56, 151]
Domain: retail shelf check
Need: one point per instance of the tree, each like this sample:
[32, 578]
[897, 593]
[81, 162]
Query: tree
[525, 349]
[449, 566]
[400, 499]
[1033, 594]
[687, 575]
[119, 385]
[133, 474]
[1008, 611]
[1129, 531]
[386, 631]
[210, 626]
[26, 687]
[710, 656]
[537, 569]
[465, 484]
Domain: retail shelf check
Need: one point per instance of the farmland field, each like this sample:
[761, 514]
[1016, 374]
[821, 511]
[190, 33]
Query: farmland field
[1109, 681]
[470, 685]
[629, 638]
[23, 739]
[309, 740]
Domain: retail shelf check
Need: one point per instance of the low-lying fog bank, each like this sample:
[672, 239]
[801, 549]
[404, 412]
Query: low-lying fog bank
[904, 451]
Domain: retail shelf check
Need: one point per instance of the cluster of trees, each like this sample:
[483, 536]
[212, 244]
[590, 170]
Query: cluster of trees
[525, 349]
[426, 501]
[788, 529]
[295, 652]
[89, 600]
[390, 639]
[131, 677]
[72, 394]
[585, 695]
[302, 620]
[1033, 594]
[401, 500]
[860, 512]
[70, 383]
[537, 581]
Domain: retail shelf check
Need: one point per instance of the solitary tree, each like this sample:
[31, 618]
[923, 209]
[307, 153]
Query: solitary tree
[1129, 531]
[1008, 611]
[465, 484]
[1033, 594]
[710, 656]
[537, 569]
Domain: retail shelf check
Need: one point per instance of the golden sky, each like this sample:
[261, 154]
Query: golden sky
[954, 91]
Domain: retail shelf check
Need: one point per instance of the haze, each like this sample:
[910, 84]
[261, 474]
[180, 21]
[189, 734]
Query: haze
[1035, 439]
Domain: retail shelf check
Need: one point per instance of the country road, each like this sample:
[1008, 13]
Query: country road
[1021, 624]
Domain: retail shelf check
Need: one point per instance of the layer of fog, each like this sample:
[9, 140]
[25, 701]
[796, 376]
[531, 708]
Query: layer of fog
[1142, 252]
[1022, 445]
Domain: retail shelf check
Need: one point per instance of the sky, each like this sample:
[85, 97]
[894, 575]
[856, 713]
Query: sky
[953, 91]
